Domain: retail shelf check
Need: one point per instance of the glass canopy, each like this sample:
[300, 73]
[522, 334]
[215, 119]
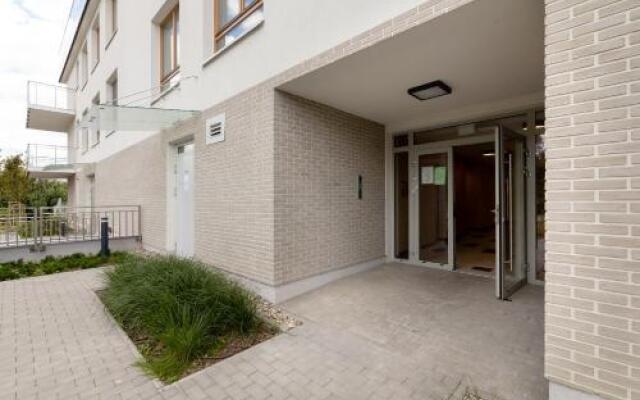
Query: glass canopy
[125, 118]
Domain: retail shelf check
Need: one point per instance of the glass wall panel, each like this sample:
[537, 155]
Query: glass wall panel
[401, 194]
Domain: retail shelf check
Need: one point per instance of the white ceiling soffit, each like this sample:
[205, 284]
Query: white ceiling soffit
[125, 118]
[491, 52]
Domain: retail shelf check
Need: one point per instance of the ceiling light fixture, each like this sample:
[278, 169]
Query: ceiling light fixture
[430, 90]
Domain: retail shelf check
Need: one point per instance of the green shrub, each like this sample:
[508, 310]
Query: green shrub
[49, 265]
[184, 308]
[52, 226]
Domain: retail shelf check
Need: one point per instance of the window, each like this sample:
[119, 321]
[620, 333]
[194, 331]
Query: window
[96, 134]
[112, 93]
[77, 74]
[234, 18]
[95, 40]
[169, 46]
[112, 14]
[85, 139]
[112, 86]
[84, 65]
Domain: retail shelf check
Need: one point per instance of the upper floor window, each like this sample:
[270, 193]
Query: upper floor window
[84, 132]
[234, 18]
[112, 93]
[84, 65]
[112, 86]
[112, 16]
[96, 133]
[169, 45]
[95, 40]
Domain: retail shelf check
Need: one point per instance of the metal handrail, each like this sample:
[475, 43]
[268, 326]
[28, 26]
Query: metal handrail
[28, 226]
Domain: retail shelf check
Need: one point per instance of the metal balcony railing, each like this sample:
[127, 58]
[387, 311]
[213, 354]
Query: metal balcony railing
[40, 156]
[50, 96]
[26, 226]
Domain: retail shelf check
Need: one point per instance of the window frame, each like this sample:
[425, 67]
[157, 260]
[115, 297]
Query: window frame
[174, 15]
[220, 31]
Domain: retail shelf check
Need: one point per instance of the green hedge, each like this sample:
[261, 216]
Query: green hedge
[49, 265]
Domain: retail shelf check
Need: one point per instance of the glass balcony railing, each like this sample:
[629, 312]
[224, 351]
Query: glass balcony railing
[44, 156]
[54, 97]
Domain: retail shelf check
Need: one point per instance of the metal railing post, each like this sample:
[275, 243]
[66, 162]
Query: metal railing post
[139, 221]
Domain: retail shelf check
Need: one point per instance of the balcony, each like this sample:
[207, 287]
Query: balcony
[49, 161]
[50, 107]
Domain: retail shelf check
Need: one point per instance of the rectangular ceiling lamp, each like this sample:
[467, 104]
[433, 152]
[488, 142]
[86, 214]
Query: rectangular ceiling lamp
[430, 90]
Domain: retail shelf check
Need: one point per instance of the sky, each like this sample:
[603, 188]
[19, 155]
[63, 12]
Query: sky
[30, 43]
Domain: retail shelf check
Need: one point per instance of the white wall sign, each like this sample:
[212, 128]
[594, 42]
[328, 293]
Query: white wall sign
[426, 174]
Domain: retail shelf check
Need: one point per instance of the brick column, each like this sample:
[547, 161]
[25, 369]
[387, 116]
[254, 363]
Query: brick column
[593, 198]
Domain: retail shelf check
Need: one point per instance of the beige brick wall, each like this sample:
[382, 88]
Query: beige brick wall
[234, 199]
[234, 184]
[593, 197]
[137, 176]
[320, 224]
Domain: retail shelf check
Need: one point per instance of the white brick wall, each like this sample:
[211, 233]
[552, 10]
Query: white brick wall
[593, 201]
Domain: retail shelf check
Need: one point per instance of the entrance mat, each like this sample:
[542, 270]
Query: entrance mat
[483, 269]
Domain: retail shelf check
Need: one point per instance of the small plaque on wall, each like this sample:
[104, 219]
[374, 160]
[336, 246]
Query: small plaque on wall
[426, 175]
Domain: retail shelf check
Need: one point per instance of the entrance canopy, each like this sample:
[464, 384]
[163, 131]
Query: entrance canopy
[127, 118]
[490, 52]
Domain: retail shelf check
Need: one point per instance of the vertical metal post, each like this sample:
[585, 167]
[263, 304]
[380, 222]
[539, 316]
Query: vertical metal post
[139, 233]
[104, 237]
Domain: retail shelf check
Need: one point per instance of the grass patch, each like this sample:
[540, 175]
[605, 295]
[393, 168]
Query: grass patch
[51, 265]
[182, 315]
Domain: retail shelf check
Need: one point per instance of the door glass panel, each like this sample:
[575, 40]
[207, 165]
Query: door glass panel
[401, 194]
[474, 194]
[433, 208]
[511, 206]
[184, 201]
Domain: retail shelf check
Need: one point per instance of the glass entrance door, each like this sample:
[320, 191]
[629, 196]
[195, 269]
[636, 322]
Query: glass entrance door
[434, 209]
[511, 266]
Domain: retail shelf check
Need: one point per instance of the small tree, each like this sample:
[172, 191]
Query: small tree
[17, 187]
[45, 193]
[15, 183]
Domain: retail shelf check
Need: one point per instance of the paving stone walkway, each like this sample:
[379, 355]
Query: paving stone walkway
[57, 342]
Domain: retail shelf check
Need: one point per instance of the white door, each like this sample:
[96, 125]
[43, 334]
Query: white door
[184, 201]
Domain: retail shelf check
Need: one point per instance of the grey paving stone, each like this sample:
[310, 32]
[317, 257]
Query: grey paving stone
[392, 333]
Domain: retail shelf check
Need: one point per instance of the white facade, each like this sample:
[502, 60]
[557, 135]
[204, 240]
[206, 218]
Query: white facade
[291, 33]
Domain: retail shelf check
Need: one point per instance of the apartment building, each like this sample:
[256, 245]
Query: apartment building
[293, 143]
